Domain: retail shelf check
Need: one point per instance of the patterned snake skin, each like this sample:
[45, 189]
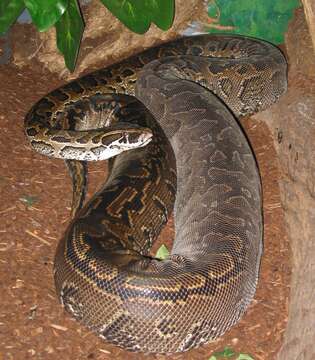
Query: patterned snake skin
[196, 150]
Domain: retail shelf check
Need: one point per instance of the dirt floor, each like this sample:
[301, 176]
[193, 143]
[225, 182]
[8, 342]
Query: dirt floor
[34, 210]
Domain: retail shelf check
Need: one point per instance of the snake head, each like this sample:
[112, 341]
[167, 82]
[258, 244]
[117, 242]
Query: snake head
[120, 138]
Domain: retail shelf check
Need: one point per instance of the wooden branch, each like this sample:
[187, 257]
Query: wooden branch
[309, 10]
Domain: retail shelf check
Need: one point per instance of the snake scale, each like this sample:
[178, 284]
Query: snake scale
[185, 150]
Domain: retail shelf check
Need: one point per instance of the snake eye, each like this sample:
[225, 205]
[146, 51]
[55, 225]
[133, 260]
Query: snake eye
[124, 138]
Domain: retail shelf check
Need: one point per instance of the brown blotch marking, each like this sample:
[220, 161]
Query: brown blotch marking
[217, 68]
[127, 72]
[97, 139]
[107, 139]
[59, 95]
[31, 132]
[42, 107]
[118, 205]
[73, 87]
[118, 79]
[196, 51]
[83, 139]
[61, 139]
[88, 81]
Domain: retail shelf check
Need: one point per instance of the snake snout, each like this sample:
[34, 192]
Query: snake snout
[128, 140]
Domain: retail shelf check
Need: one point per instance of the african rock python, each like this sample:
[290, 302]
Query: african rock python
[103, 273]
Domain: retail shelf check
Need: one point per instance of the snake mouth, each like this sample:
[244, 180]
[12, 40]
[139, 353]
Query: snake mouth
[132, 140]
[127, 141]
[145, 139]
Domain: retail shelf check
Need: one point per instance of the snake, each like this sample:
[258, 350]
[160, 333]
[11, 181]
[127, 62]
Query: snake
[167, 120]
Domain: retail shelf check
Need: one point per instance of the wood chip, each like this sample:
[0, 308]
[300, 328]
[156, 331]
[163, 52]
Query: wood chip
[104, 351]
[7, 210]
[37, 237]
[59, 327]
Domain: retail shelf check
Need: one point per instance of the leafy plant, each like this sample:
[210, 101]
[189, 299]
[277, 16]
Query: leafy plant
[162, 252]
[228, 353]
[66, 16]
[266, 19]
[29, 200]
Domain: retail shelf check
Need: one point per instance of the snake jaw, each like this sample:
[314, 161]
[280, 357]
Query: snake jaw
[145, 139]
[129, 141]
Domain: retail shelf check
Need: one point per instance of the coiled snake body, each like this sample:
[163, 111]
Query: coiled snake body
[196, 151]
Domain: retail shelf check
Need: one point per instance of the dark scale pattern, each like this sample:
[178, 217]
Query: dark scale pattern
[103, 275]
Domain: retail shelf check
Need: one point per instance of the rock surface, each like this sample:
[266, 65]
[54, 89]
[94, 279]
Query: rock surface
[292, 123]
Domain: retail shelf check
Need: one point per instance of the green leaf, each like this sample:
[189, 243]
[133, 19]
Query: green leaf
[9, 12]
[69, 31]
[161, 12]
[46, 13]
[137, 15]
[213, 10]
[131, 13]
[29, 200]
[226, 353]
[162, 253]
[266, 19]
[244, 357]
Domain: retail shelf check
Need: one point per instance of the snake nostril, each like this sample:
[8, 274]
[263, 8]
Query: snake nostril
[124, 138]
